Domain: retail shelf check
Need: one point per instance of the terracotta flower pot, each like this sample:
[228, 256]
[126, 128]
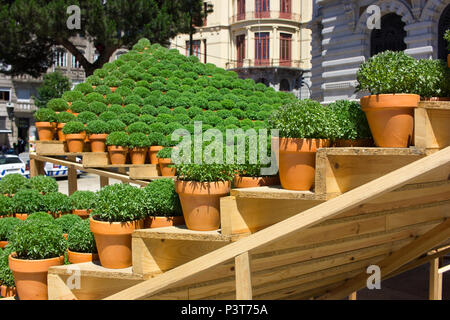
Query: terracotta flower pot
[82, 213]
[391, 118]
[113, 89]
[297, 162]
[46, 130]
[98, 142]
[348, 143]
[61, 135]
[3, 244]
[7, 291]
[252, 182]
[21, 216]
[138, 155]
[152, 151]
[113, 240]
[118, 154]
[164, 164]
[3, 290]
[80, 257]
[75, 142]
[161, 222]
[31, 276]
[200, 202]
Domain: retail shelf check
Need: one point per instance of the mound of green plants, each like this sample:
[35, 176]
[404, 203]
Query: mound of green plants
[41, 216]
[27, 201]
[57, 202]
[80, 238]
[161, 198]
[351, 120]
[5, 206]
[67, 221]
[83, 200]
[12, 183]
[7, 226]
[44, 184]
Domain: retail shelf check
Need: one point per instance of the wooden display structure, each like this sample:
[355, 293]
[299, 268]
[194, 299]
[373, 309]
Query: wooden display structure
[383, 206]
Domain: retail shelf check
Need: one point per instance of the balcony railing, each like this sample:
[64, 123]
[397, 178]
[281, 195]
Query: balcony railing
[248, 63]
[23, 106]
[255, 15]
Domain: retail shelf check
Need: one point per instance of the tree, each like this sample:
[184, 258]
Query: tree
[53, 86]
[32, 28]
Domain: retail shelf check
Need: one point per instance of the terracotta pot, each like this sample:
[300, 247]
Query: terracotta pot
[46, 130]
[113, 240]
[166, 171]
[98, 142]
[118, 154]
[61, 135]
[113, 89]
[3, 290]
[82, 213]
[31, 276]
[6, 291]
[138, 155]
[152, 151]
[297, 162]
[21, 216]
[75, 142]
[161, 222]
[200, 202]
[79, 257]
[391, 118]
[348, 143]
[3, 244]
[252, 182]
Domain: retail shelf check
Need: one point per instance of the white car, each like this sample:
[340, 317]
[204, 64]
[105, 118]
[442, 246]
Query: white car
[10, 164]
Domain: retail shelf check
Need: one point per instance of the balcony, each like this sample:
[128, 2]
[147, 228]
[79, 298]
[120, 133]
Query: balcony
[266, 63]
[257, 15]
[24, 106]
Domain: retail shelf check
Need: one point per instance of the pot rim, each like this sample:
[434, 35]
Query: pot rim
[114, 228]
[202, 188]
[301, 144]
[32, 266]
[384, 101]
[75, 136]
[117, 148]
[43, 124]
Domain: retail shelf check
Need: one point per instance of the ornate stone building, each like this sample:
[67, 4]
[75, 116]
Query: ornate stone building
[342, 40]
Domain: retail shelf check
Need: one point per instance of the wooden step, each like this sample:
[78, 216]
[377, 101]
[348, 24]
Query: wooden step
[161, 249]
[431, 130]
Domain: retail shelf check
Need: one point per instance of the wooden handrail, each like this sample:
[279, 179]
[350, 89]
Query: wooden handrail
[302, 220]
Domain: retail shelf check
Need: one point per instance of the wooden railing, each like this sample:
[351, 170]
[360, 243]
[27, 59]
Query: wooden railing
[239, 251]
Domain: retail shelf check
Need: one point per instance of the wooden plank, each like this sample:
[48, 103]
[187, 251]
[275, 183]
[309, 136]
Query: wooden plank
[147, 172]
[51, 147]
[95, 159]
[72, 176]
[104, 181]
[243, 277]
[431, 127]
[276, 193]
[409, 252]
[353, 296]
[435, 282]
[296, 223]
[181, 233]
[36, 167]
[442, 105]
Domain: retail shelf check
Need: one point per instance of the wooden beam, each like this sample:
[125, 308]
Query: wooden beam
[36, 167]
[72, 176]
[435, 283]
[301, 221]
[352, 296]
[414, 249]
[243, 277]
[104, 181]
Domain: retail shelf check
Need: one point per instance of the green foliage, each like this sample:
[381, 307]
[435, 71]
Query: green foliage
[27, 201]
[388, 72]
[111, 81]
[115, 126]
[133, 99]
[97, 127]
[12, 183]
[128, 118]
[7, 226]
[45, 115]
[35, 240]
[161, 198]
[94, 97]
[108, 115]
[97, 107]
[139, 126]
[138, 140]
[79, 106]
[147, 119]
[80, 238]
[64, 117]
[120, 203]
[118, 138]
[86, 116]
[5, 206]
[165, 153]
[67, 221]
[116, 108]
[44, 184]
[72, 96]
[114, 98]
[84, 88]
[56, 202]
[434, 78]
[53, 86]
[156, 138]
[351, 121]
[73, 127]
[447, 38]
[204, 172]
[83, 200]
[132, 108]
[304, 119]
[40, 216]
[6, 275]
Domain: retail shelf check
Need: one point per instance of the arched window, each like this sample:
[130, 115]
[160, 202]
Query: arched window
[284, 85]
[444, 24]
[391, 36]
[60, 58]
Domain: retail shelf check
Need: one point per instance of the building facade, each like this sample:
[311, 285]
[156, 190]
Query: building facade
[16, 93]
[266, 40]
[344, 36]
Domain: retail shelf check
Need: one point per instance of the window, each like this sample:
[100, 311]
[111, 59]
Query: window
[285, 9]
[391, 36]
[195, 48]
[285, 49]
[262, 48]
[10, 160]
[5, 94]
[60, 58]
[284, 85]
[444, 24]
[262, 9]
[240, 10]
[75, 63]
[25, 94]
[240, 45]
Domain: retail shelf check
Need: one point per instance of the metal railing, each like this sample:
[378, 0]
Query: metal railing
[255, 15]
[248, 63]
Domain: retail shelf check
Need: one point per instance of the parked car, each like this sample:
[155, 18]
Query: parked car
[10, 164]
[52, 170]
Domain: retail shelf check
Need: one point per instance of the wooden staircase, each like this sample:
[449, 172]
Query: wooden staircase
[384, 206]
